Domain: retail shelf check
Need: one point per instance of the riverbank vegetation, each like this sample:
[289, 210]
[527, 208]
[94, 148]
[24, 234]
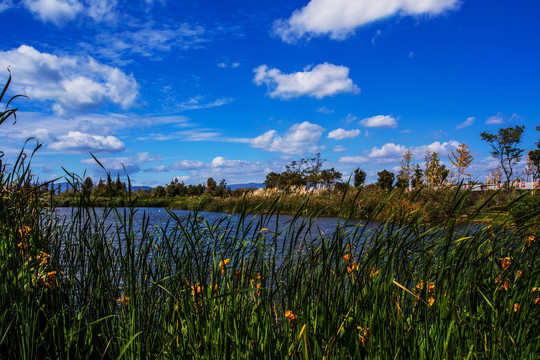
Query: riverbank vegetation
[101, 284]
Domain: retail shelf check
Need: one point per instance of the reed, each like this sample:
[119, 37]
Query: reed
[108, 283]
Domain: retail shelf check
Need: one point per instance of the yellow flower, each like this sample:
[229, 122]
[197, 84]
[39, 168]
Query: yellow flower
[124, 300]
[223, 265]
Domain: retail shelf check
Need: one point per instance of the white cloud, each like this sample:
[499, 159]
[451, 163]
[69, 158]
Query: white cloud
[225, 65]
[353, 159]
[321, 81]
[102, 10]
[349, 118]
[56, 11]
[466, 123]
[195, 103]
[340, 18]
[442, 148]
[495, 119]
[386, 121]
[157, 169]
[339, 149]
[299, 139]
[5, 5]
[82, 142]
[325, 110]
[389, 150]
[149, 42]
[340, 134]
[438, 134]
[187, 165]
[72, 83]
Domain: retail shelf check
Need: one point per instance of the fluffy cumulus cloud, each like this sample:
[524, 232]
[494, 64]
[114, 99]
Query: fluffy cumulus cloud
[386, 121]
[389, 150]
[72, 83]
[340, 134]
[55, 11]
[300, 138]
[318, 82]
[340, 18]
[466, 123]
[443, 148]
[77, 141]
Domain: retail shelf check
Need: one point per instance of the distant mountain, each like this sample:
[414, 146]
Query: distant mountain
[247, 186]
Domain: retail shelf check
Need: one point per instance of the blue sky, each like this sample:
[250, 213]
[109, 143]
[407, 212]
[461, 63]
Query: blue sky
[236, 89]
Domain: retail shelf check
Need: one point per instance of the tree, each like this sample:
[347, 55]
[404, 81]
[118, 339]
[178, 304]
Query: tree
[534, 159]
[402, 181]
[386, 179]
[435, 172]
[328, 177]
[461, 160]
[407, 170]
[359, 177]
[87, 187]
[504, 147]
[159, 191]
[210, 185]
[418, 178]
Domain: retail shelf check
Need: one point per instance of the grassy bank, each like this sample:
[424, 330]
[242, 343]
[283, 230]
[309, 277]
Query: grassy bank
[359, 203]
[192, 289]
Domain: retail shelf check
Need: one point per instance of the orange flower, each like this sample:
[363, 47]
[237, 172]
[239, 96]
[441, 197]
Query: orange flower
[505, 262]
[50, 280]
[24, 230]
[431, 291]
[223, 265]
[363, 336]
[124, 300]
[354, 266]
[373, 273]
[535, 301]
[291, 317]
[43, 258]
[516, 307]
[529, 240]
[196, 289]
[504, 285]
[346, 257]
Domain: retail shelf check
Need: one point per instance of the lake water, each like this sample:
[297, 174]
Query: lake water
[163, 219]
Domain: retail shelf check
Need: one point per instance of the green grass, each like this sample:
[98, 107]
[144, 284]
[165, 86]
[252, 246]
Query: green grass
[89, 288]
[159, 292]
